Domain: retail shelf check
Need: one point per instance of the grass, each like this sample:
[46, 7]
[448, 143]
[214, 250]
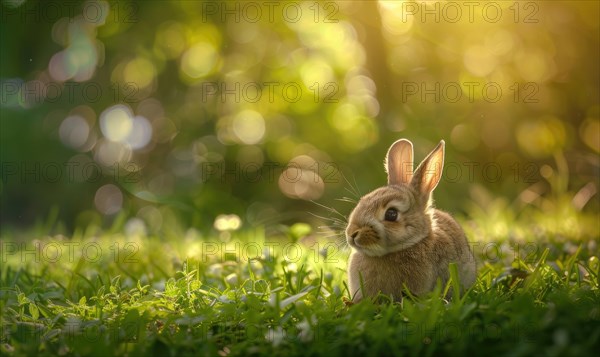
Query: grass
[243, 293]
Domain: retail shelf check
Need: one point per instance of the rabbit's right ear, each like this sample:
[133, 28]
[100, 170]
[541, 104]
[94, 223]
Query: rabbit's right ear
[399, 162]
[429, 172]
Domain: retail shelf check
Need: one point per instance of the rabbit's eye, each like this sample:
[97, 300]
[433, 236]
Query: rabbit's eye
[391, 214]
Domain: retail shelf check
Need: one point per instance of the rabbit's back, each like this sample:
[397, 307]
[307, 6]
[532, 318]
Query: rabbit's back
[451, 246]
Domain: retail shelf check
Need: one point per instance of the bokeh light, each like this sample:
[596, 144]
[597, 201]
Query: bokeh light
[479, 61]
[111, 153]
[170, 39]
[74, 131]
[307, 106]
[200, 60]
[227, 222]
[541, 137]
[140, 133]
[108, 199]
[300, 180]
[590, 133]
[139, 71]
[249, 127]
[116, 123]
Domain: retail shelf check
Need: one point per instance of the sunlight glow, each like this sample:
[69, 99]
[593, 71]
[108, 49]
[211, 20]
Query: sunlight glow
[589, 131]
[227, 222]
[533, 64]
[170, 39]
[541, 137]
[199, 60]
[116, 123]
[479, 61]
[139, 71]
[249, 126]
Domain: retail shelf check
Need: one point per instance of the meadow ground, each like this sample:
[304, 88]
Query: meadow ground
[122, 292]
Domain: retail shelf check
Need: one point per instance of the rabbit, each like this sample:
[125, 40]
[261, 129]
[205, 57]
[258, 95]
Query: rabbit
[396, 236]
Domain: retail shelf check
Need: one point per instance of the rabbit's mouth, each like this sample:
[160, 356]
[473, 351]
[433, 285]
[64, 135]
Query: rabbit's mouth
[366, 240]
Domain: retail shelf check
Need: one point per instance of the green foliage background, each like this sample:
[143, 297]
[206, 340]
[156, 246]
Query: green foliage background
[376, 68]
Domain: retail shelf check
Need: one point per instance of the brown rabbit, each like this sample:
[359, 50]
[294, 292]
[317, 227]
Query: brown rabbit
[398, 238]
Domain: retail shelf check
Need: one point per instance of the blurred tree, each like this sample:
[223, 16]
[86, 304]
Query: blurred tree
[185, 110]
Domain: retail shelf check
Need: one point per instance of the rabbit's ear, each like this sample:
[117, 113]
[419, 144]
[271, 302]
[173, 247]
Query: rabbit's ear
[399, 162]
[429, 172]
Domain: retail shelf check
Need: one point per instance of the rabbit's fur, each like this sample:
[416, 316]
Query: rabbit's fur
[415, 248]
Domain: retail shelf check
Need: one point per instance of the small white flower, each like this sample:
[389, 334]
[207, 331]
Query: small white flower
[224, 299]
[232, 279]
[267, 256]
[215, 269]
[257, 266]
[273, 299]
[275, 336]
[292, 267]
[306, 333]
[323, 252]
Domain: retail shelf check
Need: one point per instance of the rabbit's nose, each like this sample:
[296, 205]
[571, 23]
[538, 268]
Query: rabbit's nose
[355, 234]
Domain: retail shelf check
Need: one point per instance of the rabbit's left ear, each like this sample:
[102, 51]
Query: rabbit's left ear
[399, 162]
[429, 173]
